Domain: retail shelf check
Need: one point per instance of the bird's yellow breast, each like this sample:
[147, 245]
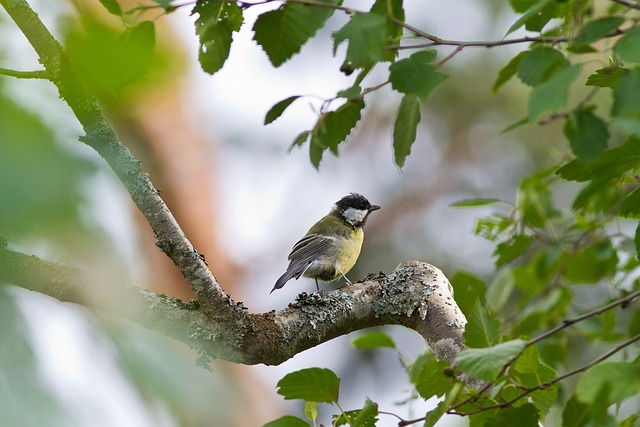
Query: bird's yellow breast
[350, 251]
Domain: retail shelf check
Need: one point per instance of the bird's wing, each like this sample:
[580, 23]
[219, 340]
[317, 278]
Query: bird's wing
[310, 247]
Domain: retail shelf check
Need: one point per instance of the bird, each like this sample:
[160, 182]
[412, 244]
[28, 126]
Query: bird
[332, 245]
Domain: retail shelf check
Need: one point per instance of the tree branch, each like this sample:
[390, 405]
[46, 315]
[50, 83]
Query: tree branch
[416, 295]
[100, 136]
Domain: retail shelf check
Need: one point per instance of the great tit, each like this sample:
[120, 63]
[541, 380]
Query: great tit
[331, 247]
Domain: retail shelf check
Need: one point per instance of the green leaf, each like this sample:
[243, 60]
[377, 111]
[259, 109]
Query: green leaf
[598, 29]
[539, 64]
[626, 103]
[587, 133]
[511, 249]
[483, 330]
[471, 203]
[374, 339]
[287, 421]
[442, 407]
[621, 378]
[529, 14]
[575, 170]
[432, 380]
[553, 93]
[311, 411]
[367, 35]
[334, 127]
[500, 290]
[469, 290]
[416, 75]
[282, 32]
[628, 47]
[405, 128]
[367, 416]
[535, 201]
[575, 414]
[311, 384]
[112, 7]
[607, 76]
[486, 363]
[590, 264]
[300, 139]
[388, 9]
[616, 162]
[522, 416]
[630, 207]
[215, 26]
[350, 93]
[505, 74]
[277, 110]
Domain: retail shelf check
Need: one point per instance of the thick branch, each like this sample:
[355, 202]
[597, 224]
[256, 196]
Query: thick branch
[100, 136]
[415, 295]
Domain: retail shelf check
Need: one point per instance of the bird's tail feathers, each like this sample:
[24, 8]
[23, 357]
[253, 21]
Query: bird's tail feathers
[296, 272]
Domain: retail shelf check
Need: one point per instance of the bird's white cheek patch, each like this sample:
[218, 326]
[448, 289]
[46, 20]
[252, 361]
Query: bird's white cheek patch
[355, 216]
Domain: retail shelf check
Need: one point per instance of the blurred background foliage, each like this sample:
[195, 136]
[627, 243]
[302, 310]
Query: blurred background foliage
[542, 259]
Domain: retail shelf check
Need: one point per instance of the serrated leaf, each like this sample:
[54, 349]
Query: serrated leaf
[630, 207]
[432, 380]
[300, 139]
[616, 162]
[367, 416]
[628, 47]
[553, 93]
[598, 29]
[575, 170]
[277, 110]
[521, 416]
[483, 330]
[626, 103]
[511, 249]
[287, 421]
[587, 133]
[405, 128]
[531, 13]
[607, 76]
[416, 75]
[112, 7]
[215, 26]
[505, 74]
[282, 32]
[393, 8]
[469, 290]
[367, 35]
[486, 363]
[311, 385]
[621, 378]
[334, 127]
[539, 64]
[374, 339]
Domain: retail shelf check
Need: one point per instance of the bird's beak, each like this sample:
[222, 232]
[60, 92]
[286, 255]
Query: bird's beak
[374, 208]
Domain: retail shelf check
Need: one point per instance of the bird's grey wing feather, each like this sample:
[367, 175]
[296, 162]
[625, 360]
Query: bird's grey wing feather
[304, 252]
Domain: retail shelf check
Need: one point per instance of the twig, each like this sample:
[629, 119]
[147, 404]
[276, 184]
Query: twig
[529, 390]
[38, 74]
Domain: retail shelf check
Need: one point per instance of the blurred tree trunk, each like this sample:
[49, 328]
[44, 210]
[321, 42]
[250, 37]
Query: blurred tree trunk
[180, 160]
